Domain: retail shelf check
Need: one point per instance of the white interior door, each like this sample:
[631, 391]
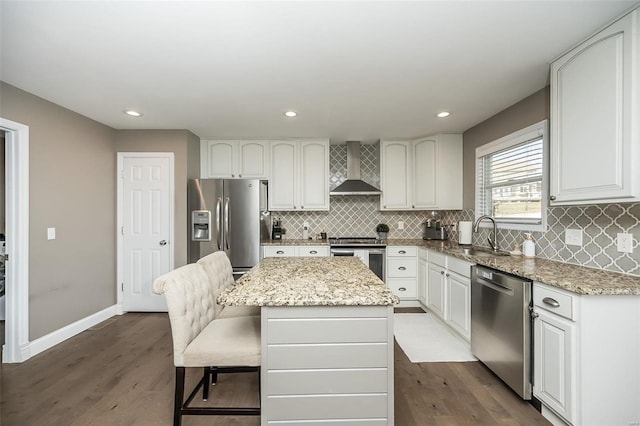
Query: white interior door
[146, 227]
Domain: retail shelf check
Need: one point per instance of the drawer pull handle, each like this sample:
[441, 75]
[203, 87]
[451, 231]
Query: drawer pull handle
[313, 252]
[551, 302]
[402, 289]
[279, 252]
[402, 252]
[441, 272]
[402, 268]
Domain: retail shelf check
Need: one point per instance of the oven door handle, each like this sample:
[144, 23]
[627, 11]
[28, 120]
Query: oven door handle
[342, 252]
[376, 251]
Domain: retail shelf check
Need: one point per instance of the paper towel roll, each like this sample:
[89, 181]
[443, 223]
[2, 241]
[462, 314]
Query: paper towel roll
[465, 232]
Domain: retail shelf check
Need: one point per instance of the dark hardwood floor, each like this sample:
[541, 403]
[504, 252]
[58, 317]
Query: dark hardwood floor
[121, 373]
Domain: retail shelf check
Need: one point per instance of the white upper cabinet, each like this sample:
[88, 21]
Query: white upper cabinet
[234, 159]
[299, 177]
[595, 118]
[423, 174]
[395, 175]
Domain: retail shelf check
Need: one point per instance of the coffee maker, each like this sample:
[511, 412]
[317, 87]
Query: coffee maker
[433, 230]
[276, 229]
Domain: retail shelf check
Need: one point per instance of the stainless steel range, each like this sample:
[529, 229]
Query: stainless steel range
[370, 250]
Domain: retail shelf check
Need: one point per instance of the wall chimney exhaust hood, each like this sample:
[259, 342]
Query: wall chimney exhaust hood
[354, 185]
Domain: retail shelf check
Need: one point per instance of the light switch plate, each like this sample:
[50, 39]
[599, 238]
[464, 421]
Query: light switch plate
[573, 237]
[51, 233]
[624, 242]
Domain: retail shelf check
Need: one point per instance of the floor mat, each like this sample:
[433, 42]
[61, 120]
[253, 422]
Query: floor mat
[423, 338]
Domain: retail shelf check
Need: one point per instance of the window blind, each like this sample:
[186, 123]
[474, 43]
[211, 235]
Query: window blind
[510, 182]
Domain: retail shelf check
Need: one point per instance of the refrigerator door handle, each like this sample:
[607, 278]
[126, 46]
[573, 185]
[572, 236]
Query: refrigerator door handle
[219, 221]
[226, 223]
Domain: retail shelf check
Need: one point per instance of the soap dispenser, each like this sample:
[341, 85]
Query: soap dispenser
[528, 246]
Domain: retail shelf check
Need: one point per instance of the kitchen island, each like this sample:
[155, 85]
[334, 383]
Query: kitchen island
[327, 340]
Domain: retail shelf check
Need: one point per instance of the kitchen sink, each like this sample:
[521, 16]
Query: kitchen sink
[480, 252]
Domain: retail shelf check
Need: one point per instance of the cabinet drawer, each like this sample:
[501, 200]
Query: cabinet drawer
[437, 258]
[305, 382]
[323, 356]
[403, 288]
[279, 251]
[554, 301]
[401, 251]
[401, 268]
[327, 330]
[313, 251]
[320, 406]
[459, 266]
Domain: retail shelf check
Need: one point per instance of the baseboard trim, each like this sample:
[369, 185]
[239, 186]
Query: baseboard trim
[50, 340]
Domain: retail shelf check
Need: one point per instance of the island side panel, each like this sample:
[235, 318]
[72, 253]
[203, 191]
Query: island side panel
[327, 362]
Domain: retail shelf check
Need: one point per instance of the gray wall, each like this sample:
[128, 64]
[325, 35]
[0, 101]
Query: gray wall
[72, 187]
[528, 111]
[186, 148]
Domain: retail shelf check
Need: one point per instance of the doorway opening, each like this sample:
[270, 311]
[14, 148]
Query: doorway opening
[16, 257]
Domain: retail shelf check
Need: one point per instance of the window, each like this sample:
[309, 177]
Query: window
[511, 179]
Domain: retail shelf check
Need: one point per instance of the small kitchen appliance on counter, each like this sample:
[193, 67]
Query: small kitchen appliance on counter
[276, 230]
[432, 230]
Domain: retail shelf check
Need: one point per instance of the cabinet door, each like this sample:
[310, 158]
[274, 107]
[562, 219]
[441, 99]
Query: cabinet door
[459, 303]
[449, 172]
[424, 173]
[423, 271]
[253, 159]
[282, 183]
[217, 159]
[395, 168]
[436, 290]
[314, 175]
[554, 362]
[593, 120]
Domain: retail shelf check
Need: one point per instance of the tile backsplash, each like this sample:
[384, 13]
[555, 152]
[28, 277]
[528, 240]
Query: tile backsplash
[358, 215]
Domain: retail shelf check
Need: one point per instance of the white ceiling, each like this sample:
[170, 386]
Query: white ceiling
[353, 70]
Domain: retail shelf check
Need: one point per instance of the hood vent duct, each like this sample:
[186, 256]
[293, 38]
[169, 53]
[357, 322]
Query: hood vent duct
[354, 185]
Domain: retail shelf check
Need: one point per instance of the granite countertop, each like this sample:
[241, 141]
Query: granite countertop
[306, 281]
[299, 242]
[574, 278]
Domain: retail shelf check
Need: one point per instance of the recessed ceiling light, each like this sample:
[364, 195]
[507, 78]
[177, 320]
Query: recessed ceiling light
[442, 114]
[132, 113]
[290, 114]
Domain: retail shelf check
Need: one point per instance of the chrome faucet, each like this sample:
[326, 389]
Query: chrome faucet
[493, 243]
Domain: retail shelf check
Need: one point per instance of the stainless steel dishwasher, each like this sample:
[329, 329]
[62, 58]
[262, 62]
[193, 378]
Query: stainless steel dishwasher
[501, 326]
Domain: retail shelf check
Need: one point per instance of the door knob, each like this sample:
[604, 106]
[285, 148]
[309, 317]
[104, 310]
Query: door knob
[163, 242]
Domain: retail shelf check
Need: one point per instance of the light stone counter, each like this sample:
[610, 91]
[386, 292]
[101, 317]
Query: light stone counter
[299, 242]
[574, 278]
[327, 340]
[304, 281]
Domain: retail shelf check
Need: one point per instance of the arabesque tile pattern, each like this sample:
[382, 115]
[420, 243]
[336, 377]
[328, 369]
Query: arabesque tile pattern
[357, 216]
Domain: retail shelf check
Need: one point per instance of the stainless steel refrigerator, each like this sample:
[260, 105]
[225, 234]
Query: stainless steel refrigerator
[229, 215]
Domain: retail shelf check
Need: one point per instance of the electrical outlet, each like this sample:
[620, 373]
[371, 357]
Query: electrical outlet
[51, 233]
[400, 225]
[573, 237]
[624, 243]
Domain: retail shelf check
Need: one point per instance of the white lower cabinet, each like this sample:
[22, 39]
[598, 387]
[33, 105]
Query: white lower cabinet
[449, 291]
[401, 271]
[323, 363]
[586, 352]
[436, 289]
[423, 270]
[295, 251]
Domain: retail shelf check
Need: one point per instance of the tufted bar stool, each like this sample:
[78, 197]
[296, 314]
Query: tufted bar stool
[218, 267]
[221, 345]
